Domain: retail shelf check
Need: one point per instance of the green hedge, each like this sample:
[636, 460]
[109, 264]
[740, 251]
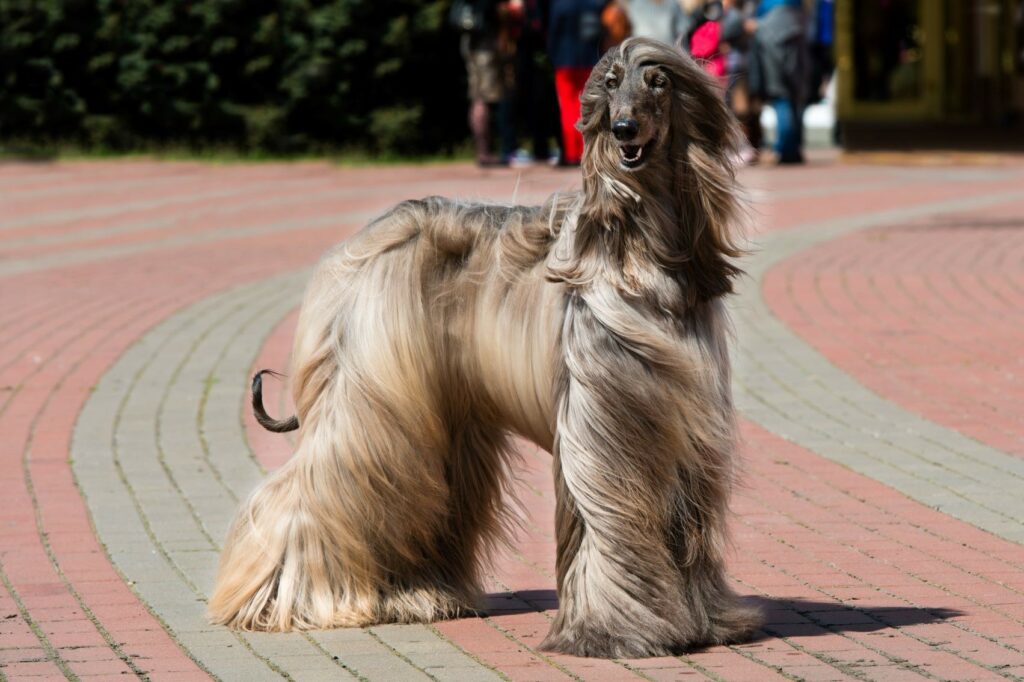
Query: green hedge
[292, 76]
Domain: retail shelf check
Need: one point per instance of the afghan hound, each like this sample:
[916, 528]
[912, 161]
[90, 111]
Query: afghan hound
[593, 325]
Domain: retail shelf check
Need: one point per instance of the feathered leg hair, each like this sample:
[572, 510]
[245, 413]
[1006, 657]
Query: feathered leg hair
[393, 497]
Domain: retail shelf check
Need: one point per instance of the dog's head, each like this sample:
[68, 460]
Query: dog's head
[626, 107]
[659, 137]
[645, 102]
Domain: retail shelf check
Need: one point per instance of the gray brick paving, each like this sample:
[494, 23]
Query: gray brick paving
[423, 648]
[786, 386]
[161, 457]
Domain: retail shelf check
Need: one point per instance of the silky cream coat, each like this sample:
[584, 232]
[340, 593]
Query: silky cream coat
[592, 325]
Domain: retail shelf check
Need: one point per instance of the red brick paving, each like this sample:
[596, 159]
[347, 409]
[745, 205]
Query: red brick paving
[929, 314]
[859, 581]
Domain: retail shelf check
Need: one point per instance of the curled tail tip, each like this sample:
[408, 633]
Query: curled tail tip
[257, 378]
[265, 420]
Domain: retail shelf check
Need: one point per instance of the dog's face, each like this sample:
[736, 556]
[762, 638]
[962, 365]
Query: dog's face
[639, 107]
[643, 104]
[658, 137]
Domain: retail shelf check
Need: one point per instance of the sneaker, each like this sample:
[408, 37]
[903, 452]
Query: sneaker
[521, 159]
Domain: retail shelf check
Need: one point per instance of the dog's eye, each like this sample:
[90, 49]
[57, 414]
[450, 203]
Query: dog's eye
[659, 81]
[611, 82]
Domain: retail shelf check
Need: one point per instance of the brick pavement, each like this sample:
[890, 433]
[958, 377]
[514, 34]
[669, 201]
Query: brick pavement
[926, 298]
[137, 297]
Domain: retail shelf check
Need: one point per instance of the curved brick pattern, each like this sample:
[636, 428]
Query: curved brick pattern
[793, 390]
[906, 309]
[815, 194]
[148, 363]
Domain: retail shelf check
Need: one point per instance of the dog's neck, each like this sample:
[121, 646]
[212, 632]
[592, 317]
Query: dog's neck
[626, 232]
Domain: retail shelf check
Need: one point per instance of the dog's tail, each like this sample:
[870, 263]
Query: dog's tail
[265, 420]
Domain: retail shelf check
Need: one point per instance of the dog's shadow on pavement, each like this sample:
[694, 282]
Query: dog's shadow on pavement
[808, 618]
[782, 617]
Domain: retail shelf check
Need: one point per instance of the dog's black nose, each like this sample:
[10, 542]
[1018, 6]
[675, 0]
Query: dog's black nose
[625, 129]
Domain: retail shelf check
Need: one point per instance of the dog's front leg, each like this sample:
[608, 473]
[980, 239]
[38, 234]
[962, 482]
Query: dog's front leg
[616, 483]
[617, 597]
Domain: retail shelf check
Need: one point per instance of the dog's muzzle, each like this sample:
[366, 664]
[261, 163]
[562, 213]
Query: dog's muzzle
[634, 155]
[625, 131]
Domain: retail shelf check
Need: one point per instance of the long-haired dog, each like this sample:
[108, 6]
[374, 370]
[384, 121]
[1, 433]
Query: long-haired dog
[593, 325]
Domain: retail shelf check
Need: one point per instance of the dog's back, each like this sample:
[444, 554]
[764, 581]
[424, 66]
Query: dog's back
[465, 279]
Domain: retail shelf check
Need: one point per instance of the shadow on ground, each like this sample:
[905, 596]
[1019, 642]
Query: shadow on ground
[783, 617]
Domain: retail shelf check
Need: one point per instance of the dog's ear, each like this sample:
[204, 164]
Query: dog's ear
[705, 144]
[594, 98]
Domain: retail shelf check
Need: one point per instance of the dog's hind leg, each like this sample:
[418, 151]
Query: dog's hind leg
[393, 496]
[326, 539]
[362, 525]
[475, 519]
[342, 541]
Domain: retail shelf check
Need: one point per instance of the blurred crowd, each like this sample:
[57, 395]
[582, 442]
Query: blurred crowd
[528, 60]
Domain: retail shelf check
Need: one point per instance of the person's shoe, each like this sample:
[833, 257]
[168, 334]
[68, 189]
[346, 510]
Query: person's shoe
[521, 159]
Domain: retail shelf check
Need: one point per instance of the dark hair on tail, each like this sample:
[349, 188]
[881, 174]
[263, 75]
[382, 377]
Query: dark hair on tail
[265, 420]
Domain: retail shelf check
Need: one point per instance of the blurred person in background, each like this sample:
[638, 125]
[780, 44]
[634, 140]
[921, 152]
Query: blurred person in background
[574, 46]
[479, 22]
[662, 20]
[510, 28]
[615, 21]
[703, 38]
[820, 40]
[535, 88]
[778, 71]
[737, 32]
[718, 36]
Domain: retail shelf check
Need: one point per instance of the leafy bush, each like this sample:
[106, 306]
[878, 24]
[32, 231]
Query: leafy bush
[284, 76]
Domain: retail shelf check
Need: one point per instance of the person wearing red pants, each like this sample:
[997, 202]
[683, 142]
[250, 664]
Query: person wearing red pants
[574, 46]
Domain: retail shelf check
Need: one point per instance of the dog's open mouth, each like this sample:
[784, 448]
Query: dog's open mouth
[634, 155]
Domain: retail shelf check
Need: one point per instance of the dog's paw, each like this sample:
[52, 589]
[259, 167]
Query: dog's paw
[735, 624]
[599, 643]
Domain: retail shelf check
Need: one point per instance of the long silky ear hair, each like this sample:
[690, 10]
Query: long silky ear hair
[704, 144]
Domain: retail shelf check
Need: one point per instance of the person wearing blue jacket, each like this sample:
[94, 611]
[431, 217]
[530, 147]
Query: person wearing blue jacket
[778, 71]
